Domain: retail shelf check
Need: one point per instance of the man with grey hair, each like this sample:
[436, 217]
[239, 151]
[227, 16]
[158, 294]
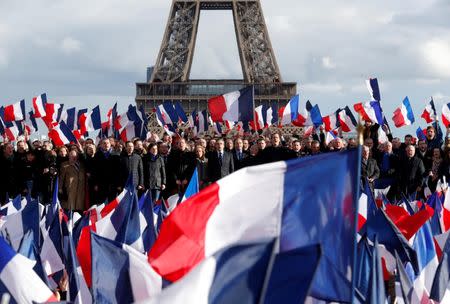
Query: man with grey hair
[369, 168]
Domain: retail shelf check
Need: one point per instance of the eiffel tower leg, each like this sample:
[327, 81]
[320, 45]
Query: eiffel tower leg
[255, 50]
[177, 48]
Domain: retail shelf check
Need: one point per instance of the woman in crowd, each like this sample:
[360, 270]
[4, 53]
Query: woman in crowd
[154, 172]
[72, 183]
[201, 163]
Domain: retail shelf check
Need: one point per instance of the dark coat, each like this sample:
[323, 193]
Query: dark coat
[426, 159]
[181, 165]
[239, 159]
[274, 154]
[131, 165]
[369, 170]
[411, 174]
[219, 169]
[202, 169]
[154, 172]
[106, 175]
[7, 177]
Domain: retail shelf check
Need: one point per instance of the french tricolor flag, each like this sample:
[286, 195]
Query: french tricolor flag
[347, 121]
[39, 103]
[258, 123]
[374, 90]
[429, 113]
[90, 121]
[18, 278]
[404, 115]
[234, 106]
[166, 114]
[15, 112]
[291, 114]
[370, 111]
[446, 115]
[53, 113]
[331, 121]
[61, 135]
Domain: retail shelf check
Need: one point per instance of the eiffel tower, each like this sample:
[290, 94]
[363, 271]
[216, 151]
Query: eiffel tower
[170, 81]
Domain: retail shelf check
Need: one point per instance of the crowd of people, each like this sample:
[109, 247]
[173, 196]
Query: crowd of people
[91, 174]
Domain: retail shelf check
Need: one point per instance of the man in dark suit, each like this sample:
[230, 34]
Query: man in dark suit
[369, 168]
[106, 174]
[411, 173]
[239, 155]
[131, 165]
[220, 163]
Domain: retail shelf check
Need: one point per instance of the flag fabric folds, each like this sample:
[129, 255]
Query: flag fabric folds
[121, 274]
[232, 275]
[370, 111]
[204, 223]
[429, 113]
[39, 103]
[446, 115]
[404, 115]
[15, 112]
[61, 135]
[374, 90]
[18, 278]
[234, 106]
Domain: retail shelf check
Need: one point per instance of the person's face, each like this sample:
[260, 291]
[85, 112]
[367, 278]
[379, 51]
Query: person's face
[338, 143]
[261, 144]
[90, 150]
[315, 147]
[396, 143]
[423, 146]
[202, 142]
[365, 153]
[296, 146]
[212, 144]
[37, 144]
[167, 139]
[352, 143]
[245, 144]
[276, 139]
[436, 153]
[254, 150]
[430, 134]
[388, 147]
[73, 156]
[239, 144]
[129, 148]
[30, 157]
[154, 150]
[408, 140]
[182, 145]
[106, 145]
[230, 144]
[199, 152]
[369, 142]
[62, 152]
[220, 145]
[139, 145]
[163, 149]
[9, 150]
[20, 146]
[410, 151]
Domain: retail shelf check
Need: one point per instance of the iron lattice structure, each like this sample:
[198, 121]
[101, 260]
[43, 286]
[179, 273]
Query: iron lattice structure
[170, 78]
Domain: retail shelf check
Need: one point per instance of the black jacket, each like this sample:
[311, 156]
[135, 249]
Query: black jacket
[369, 169]
[131, 165]
[220, 168]
[239, 159]
[181, 165]
[411, 174]
[106, 173]
[154, 172]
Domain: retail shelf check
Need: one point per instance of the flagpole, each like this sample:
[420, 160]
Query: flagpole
[357, 182]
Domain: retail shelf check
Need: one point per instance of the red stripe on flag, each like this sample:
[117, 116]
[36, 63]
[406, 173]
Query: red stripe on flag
[177, 251]
[398, 118]
[217, 107]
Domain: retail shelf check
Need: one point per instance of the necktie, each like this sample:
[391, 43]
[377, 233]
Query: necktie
[220, 158]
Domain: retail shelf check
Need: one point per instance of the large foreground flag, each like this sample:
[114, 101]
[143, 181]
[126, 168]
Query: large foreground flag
[121, 274]
[267, 201]
[403, 116]
[18, 278]
[15, 112]
[234, 106]
[233, 275]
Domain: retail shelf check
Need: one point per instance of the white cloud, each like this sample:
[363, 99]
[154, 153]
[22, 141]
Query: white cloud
[437, 55]
[328, 63]
[70, 45]
[321, 87]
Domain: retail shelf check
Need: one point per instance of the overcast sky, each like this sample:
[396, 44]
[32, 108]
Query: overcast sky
[88, 52]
